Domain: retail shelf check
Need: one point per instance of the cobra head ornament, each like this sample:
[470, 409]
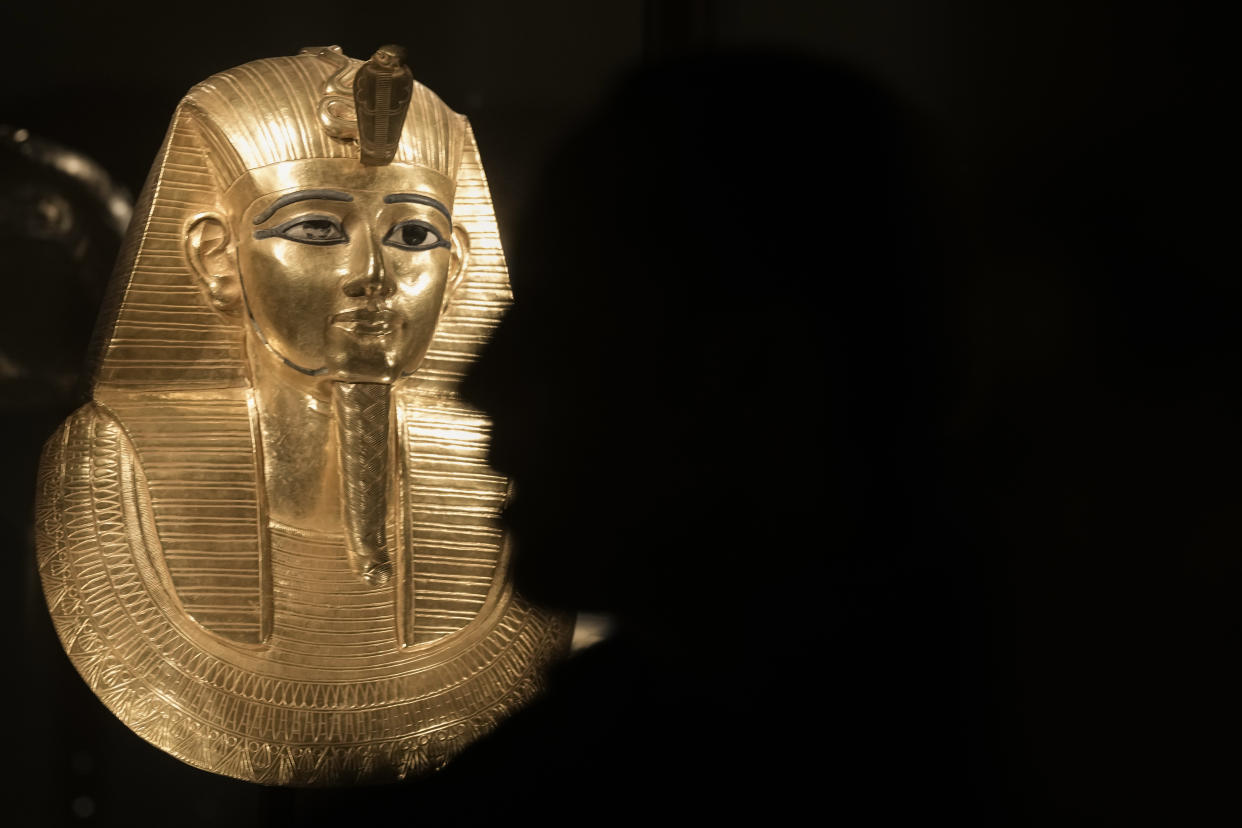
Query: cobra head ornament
[382, 90]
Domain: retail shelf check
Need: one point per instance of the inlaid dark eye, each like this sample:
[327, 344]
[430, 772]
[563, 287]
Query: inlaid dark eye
[315, 230]
[414, 235]
[308, 230]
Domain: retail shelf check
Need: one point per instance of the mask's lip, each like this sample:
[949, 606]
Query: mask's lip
[367, 321]
[365, 315]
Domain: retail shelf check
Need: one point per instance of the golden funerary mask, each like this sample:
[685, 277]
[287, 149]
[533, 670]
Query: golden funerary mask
[271, 542]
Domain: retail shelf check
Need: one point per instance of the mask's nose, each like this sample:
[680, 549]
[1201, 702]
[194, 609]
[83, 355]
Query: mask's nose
[368, 275]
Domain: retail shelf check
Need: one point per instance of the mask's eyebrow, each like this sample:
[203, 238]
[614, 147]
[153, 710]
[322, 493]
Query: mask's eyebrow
[300, 195]
[417, 198]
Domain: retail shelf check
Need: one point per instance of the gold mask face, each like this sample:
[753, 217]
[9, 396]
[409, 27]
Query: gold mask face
[271, 542]
[344, 275]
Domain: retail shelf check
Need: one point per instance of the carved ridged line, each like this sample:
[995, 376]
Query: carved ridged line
[362, 417]
[159, 270]
[199, 466]
[477, 216]
[437, 435]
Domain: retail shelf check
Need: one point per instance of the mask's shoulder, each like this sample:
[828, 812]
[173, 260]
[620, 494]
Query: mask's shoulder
[68, 451]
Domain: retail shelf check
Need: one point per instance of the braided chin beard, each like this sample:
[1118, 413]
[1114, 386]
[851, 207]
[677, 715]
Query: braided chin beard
[362, 428]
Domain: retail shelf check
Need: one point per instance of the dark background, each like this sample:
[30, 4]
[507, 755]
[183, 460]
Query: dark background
[1052, 652]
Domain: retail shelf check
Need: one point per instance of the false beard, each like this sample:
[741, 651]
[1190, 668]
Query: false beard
[362, 427]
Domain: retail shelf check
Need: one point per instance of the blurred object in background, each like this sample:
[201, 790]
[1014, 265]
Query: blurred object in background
[61, 222]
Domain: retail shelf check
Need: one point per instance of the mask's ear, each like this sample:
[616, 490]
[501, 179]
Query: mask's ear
[459, 259]
[209, 249]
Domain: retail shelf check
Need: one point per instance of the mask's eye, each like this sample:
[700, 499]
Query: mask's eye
[414, 235]
[308, 230]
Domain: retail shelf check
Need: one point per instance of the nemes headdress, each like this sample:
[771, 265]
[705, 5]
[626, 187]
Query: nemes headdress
[301, 107]
[154, 542]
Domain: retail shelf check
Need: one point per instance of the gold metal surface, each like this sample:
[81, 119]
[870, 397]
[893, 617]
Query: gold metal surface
[381, 95]
[271, 542]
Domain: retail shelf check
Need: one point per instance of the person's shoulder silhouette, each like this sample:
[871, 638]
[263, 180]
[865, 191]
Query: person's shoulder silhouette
[713, 395]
